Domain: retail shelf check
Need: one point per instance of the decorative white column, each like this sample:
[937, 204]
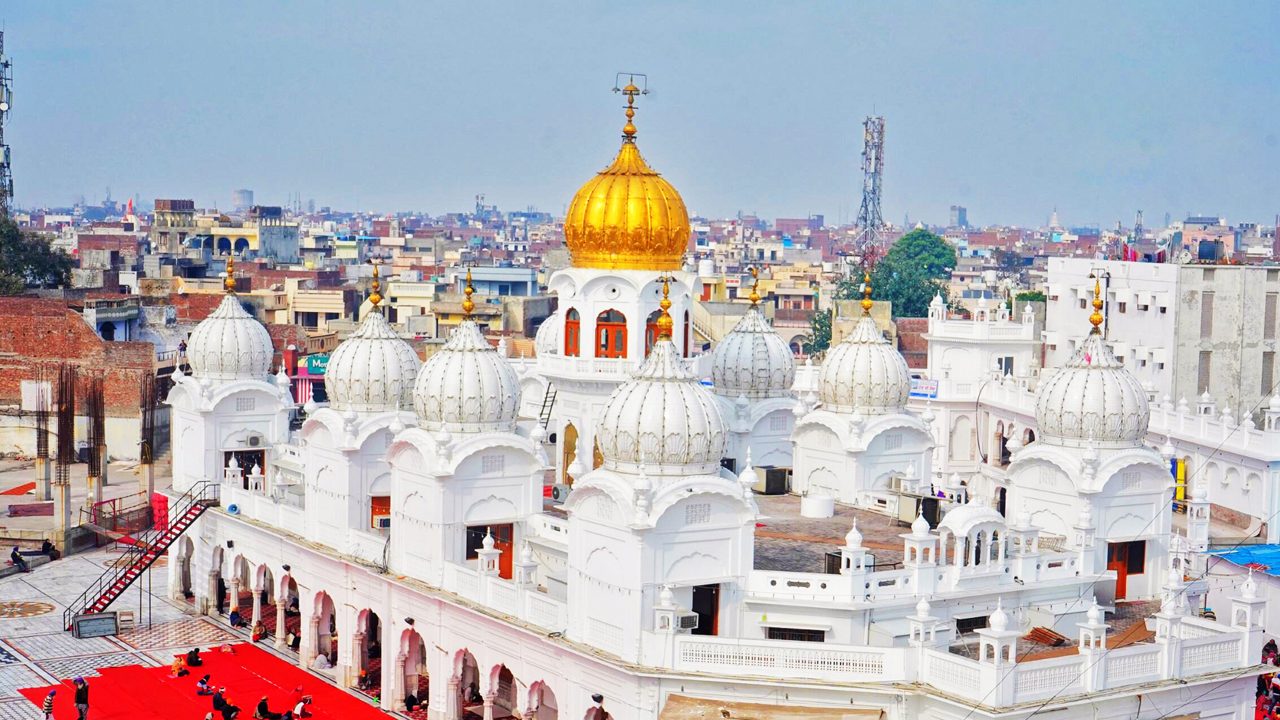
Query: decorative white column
[257, 607]
[281, 631]
[488, 706]
[234, 605]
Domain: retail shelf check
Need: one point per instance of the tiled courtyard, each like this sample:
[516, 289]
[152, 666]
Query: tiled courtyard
[36, 651]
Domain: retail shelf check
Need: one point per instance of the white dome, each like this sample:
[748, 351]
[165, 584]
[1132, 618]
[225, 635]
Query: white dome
[372, 370]
[547, 339]
[1092, 398]
[466, 386]
[864, 373]
[662, 418]
[230, 344]
[853, 538]
[999, 619]
[752, 360]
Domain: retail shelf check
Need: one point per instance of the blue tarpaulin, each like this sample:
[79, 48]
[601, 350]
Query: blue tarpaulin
[1262, 558]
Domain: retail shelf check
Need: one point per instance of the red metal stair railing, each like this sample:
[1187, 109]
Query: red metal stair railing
[141, 551]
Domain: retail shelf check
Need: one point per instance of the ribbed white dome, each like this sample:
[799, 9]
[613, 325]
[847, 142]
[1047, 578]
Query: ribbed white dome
[1092, 397]
[373, 370]
[547, 339]
[230, 344]
[662, 418]
[752, 360]
[467, 386]
[864, 373]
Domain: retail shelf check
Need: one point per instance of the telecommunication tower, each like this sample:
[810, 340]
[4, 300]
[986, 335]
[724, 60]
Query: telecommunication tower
[870, 223]
[6, 101]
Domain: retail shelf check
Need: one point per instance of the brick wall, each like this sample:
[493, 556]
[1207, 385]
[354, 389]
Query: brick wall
[911, 342]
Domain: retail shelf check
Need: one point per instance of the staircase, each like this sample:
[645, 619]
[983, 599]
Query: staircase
[141, 552]
[548, 402]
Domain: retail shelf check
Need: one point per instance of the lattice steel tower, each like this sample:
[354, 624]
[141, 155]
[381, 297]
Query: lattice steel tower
[6, 102]
[870, 222]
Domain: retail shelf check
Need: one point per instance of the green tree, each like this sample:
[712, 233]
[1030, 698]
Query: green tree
[1029, 296]
[912, 272]
[28, 261]
[819, 333]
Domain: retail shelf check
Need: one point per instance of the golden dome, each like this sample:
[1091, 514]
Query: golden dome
[627, 216]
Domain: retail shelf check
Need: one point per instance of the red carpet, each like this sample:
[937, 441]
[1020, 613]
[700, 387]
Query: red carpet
[22, 489]
[140, 693]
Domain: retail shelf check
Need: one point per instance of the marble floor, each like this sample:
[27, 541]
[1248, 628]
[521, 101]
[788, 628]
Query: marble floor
[35, 650]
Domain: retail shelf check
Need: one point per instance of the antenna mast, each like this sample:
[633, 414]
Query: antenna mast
[6, 102]
[870, 222]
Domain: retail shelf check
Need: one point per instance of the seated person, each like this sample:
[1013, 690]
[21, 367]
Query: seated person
[410, 702]
[202, 686]
[179, 667]
[50, 550]
[322, 662]
[292, 607]
[18, 561]
[193, 658]
[300, 709]
[235, 619]
[263, 712]
[258, 632]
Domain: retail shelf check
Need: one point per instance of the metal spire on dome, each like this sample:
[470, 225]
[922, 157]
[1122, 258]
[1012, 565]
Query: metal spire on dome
[664, 320]
[866, 294]
[375, 296]
[755, 287]
[467, 304]
[1096, 318]
[229, 282]
[630, 91]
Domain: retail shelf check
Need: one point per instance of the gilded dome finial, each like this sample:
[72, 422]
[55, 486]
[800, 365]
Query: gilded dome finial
[631, 91]
[664, 320]
[467, 304]
[1096, 318]
[229, 282]
[375, 296]
[866, 294]
[755, 286]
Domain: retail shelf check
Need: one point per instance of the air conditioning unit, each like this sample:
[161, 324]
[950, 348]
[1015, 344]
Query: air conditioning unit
[559, 492]
[383, 522]
[687, 621]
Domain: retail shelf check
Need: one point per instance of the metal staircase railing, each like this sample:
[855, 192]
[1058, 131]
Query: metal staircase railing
[548, 402]
[141, 552]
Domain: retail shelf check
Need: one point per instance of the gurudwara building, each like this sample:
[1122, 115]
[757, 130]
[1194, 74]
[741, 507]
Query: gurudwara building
[398, 536]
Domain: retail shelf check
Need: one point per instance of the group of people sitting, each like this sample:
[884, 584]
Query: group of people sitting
[18, 558]
[1268, 704]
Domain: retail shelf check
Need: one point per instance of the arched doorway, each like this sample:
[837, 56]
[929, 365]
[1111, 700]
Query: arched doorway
[242, 245]
[651, 331]
[224, 246]
[287, 623]
[467, 675]
[108, 331]
[217, 584]
[502, 686]
[542, 703]
[240, 590]
[414, 682]
[611, 334]
[182, 566]
[264, 595]
[572, 333]
[569, 450]
[324, 622]
[366, 652]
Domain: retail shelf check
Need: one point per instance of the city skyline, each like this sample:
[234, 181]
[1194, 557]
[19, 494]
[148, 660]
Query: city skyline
[399, 107]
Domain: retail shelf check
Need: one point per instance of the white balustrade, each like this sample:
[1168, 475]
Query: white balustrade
[790, 659]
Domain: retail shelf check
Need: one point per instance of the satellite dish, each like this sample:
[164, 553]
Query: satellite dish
[1184, 257]
[233, 509]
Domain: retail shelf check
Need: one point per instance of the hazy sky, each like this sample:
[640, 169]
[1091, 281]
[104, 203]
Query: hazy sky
[1007, 108]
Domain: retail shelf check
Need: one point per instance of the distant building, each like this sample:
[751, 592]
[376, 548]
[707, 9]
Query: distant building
[959, 216]
[241, 200]
[1182, 330]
